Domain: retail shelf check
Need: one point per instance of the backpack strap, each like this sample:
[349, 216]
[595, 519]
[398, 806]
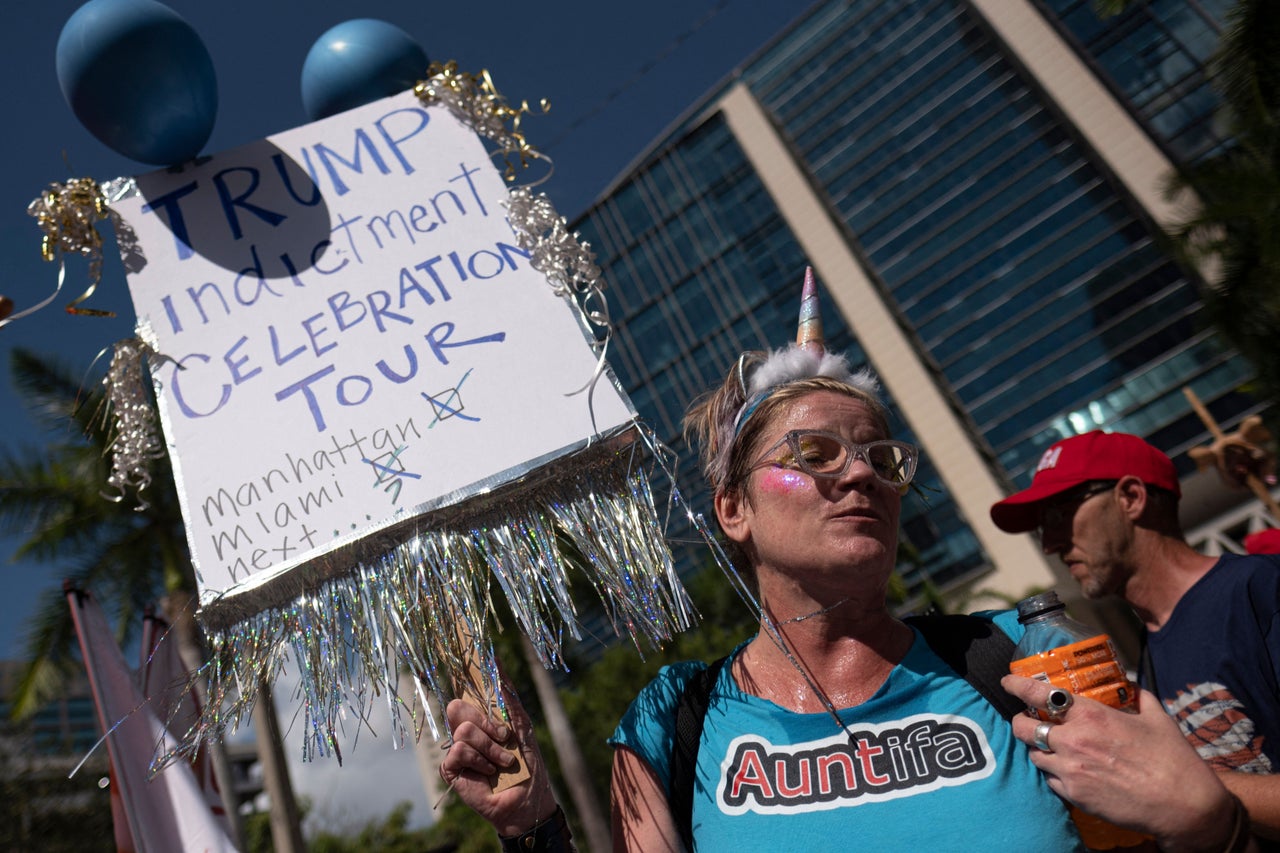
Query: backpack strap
[1146, 668]
[691, 713]
[977, 649]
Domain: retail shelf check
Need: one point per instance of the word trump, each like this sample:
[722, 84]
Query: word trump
[238, 189]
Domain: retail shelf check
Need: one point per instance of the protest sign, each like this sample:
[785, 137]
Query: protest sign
[381, 380]
[351, 338]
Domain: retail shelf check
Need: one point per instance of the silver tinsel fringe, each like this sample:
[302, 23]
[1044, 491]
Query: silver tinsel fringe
[130, 420]
[425, 610]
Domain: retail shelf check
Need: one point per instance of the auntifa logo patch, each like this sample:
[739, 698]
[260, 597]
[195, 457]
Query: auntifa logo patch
[899, 759]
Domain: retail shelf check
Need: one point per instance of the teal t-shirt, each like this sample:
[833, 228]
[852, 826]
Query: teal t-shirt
[931, 766]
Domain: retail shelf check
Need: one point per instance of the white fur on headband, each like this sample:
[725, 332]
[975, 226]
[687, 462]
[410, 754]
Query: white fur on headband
[782, 366]
[793, 363]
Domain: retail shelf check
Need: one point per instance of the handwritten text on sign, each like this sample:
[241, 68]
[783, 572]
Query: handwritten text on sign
[354, 334]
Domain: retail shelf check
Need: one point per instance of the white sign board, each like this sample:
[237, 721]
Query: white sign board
[354, 336]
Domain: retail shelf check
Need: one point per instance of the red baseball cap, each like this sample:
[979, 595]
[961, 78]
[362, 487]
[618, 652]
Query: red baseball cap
[1265, 541]
[1095, 455]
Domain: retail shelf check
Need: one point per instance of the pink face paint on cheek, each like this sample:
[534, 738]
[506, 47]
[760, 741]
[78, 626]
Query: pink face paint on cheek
[782, 481]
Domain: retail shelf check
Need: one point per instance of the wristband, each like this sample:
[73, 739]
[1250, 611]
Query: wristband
[550, 835]
[1240, 834]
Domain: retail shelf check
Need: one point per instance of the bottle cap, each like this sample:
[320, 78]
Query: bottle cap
[1036, 604]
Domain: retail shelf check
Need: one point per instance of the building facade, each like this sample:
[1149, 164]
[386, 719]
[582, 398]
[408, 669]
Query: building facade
[43, 806]
[978, 186]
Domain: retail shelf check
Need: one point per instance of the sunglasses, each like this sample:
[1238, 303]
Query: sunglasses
[825, 455]
[1060, 511]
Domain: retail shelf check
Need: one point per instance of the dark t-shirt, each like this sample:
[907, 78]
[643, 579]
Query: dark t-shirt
[1217, 664]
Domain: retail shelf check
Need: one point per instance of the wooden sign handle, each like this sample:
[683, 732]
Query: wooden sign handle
[469, 691]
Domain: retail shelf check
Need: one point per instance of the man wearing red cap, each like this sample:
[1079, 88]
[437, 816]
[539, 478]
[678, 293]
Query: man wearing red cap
[1107, 505]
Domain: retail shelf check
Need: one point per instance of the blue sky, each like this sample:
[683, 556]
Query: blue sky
[616, 75]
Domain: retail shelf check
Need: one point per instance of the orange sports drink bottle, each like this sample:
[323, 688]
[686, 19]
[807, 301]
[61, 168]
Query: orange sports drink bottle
[1058, 650]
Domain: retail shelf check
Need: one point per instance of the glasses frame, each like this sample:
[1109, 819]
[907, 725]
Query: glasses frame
[853, 450]
[1064, 507]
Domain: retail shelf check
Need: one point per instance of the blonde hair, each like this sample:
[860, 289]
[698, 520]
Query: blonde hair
[728, 443]
[726, 423]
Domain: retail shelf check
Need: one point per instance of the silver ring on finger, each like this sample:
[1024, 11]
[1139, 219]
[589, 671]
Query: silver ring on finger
[1058, 703]
[1041, 737]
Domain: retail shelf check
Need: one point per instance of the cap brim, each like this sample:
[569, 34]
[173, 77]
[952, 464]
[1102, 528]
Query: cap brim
[1020, 512]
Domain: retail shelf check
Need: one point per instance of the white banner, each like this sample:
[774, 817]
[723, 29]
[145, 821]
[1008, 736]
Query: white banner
[164, 813]
[355, 336]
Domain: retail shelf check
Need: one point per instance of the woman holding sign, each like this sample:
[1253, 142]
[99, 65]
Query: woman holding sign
[838, 721]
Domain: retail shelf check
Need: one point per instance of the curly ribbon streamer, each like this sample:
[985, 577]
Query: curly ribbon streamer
[568, 263]
[130, 418]
[423, 607]
[477, 103]
[67, 214]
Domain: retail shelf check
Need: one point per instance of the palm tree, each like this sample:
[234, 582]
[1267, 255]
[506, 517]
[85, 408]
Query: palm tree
[1235, 228]
[1231, 234]
[129, 549]
[128, 554]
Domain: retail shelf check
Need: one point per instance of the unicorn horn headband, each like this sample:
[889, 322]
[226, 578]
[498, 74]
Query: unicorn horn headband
[805, 359]
[809, 333]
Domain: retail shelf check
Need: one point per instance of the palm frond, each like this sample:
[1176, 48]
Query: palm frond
[1235, 226]
[1245, 70]
[50, 658]
[52, 499]
[63, 402]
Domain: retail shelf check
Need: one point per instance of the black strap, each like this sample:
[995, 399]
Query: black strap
[979, 652]
[1146, 668]
[976, 648]
[691, 712]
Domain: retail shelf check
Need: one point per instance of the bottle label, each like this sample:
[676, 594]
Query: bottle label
[1086, 668]
[1098, 834]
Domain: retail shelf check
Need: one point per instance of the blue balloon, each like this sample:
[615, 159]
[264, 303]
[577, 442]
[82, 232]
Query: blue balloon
[357, 62]
[139, 78]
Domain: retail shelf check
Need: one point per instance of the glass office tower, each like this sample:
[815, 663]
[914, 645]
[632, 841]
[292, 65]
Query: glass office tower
[1154, 58]
[1020, 287]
